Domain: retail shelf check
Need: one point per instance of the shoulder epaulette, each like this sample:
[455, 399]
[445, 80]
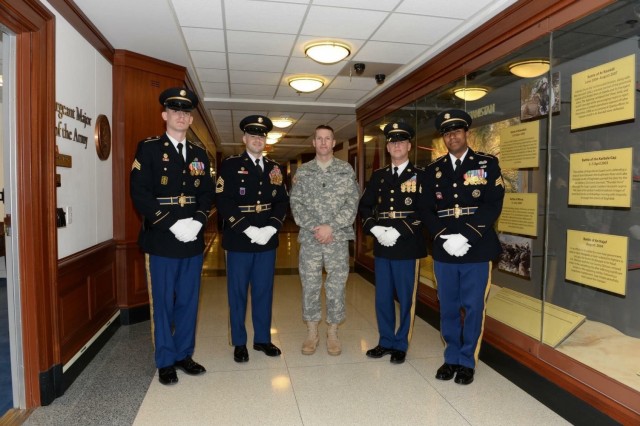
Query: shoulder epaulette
[437, 159]
[486, 155]
[152, 138]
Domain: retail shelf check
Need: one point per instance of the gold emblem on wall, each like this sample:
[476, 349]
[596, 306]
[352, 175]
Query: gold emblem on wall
[103, 137]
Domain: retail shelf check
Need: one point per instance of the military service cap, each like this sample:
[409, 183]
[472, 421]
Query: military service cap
[179, 99]
[452, 119]
[398, 131]
[256, 125]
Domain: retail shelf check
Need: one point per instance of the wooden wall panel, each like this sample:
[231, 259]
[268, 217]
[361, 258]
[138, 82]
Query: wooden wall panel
[87, 296]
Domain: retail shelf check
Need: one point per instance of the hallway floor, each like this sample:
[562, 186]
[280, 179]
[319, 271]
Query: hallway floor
[120, 386]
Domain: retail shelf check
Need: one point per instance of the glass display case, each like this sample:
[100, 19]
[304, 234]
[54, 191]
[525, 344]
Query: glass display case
[561, 114]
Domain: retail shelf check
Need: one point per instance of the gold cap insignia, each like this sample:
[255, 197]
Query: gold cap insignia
[395, 125]
[260, 120]
[183, 93]
[447, 116]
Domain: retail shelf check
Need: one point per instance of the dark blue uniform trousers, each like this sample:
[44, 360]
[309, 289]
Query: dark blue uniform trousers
[462, 285]
[258, 269]
[175, 288]
[397, 276]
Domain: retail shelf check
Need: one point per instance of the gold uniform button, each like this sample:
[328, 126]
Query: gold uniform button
[455, 185]
[392, 191]
[391, 200]
[455, 195]
[391, 208]
[259, 192]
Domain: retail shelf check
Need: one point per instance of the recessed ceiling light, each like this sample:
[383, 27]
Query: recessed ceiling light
[306, 84]
[529, 68]
[470, 93]
[327, 52]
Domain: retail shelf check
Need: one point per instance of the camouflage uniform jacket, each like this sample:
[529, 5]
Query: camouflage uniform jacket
[325, 197]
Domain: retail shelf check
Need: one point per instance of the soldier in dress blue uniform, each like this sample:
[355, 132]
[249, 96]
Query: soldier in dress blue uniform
[391, 209]
[172, 188]
[252, 201]
[465, 196]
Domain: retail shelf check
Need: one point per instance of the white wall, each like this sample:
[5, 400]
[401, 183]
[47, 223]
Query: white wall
[83, 81]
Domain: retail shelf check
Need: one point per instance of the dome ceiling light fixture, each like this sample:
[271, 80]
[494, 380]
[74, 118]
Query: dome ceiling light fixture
[306, 84]
[529, 68]
[282, 123]
[470, 93]
[327, 52]
[368, 138]
[271, 141]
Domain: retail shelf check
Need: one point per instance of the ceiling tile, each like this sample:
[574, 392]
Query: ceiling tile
[353, 83]
[239, 61]
[260, 43]
[252, 89]
[198, 13]
[255, 77]
[451, 8]
[386, 5]
[343, 95]
[247, 15]
[309, 66]
[402, 28]
[391, 53]
[209, 59]
[204, 39]
[212, 75]
[334, 22]
[215, 88]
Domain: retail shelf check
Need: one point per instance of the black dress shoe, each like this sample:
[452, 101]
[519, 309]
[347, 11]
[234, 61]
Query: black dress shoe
[189, 366]
[446, 371]
[167, 375]
[397, 357]
[268, 348]
[240, 354]
[379, 352]
[464, 376]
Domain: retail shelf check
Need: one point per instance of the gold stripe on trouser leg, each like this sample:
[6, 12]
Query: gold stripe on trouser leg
[228, 316]
[413, 299]
[484, 310]
[148, 270]
[435, 283]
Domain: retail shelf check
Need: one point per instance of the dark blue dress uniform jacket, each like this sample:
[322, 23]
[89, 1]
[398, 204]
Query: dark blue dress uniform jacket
[484, 189]
[158, 171]
[240, 188]
[382, 196]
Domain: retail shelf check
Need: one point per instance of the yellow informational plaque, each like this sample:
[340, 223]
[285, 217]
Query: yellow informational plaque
[524, 313]
[604, 94]
[597, 260]
[519, 146]
[426, 272]
[601, 178]
[519, 214]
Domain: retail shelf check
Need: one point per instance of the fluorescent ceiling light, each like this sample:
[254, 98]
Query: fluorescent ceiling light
[529, 68]
[327, 52]
[470, 93]
[306, 84]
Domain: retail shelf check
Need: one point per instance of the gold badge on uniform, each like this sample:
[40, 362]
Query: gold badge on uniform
[164, 180]
[475, 193]
[273, 194]
[275, 175]
[408, 201]
[165, 157]
[196, 183]
[438, 174]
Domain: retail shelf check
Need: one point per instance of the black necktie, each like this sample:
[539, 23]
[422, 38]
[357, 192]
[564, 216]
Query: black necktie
[180, 152]
[258, 165]
[395, 173]
[458, 162]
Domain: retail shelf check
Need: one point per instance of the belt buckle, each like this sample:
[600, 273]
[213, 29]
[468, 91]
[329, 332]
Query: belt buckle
[258, 208]
[457, 211]
[392, 215]
[182, 200]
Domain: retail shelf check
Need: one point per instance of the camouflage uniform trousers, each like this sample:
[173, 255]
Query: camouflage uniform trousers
[335, 258]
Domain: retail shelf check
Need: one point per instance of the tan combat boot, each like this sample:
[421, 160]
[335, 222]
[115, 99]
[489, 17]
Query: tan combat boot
[311, 342]
[333, 344]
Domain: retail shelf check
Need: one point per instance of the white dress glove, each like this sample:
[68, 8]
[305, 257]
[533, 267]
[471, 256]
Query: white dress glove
[264, 234]
[382, 235]
[392, 235]
[252, 232]
[181, 229]
[193, 229]
[454, 244]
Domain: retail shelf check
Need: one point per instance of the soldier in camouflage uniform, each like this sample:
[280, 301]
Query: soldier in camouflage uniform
[324, 201]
